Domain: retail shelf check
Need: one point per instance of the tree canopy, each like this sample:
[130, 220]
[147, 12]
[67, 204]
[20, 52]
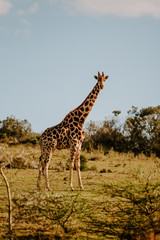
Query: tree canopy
[140, 132]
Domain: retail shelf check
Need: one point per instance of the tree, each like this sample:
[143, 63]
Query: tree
[142, 129]
[13, 128]
[107, 134]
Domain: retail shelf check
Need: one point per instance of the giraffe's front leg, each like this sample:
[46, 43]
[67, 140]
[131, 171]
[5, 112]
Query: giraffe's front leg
[79, 174]
[78, 167]
[46, 177]
[71, 167]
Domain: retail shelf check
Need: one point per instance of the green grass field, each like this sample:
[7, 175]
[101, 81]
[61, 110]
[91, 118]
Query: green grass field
[103, 172]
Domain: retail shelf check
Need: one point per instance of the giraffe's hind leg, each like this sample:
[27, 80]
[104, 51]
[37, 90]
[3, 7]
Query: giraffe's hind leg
[40, 173]
[43, 166]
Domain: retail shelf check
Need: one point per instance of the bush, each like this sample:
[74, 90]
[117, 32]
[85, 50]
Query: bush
[14, 131]
[94, 168]
[14, 128]
[103, 170]
[129, 211]
[140, 133]
[95, 158]
[55, 210]
[83, 160]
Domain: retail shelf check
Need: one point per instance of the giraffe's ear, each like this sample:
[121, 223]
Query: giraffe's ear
[106, 77]
[95, 77]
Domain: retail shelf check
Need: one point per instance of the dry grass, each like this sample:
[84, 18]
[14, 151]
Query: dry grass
[120, 168]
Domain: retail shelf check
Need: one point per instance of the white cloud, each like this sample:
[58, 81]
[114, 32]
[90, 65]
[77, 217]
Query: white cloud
[20, 12]
[5, 6]
[122, 8]
[34, 8]
[25, 22]
[24, 29]
[26, 32]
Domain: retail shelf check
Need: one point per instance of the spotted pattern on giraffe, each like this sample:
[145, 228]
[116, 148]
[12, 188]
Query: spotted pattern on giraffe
[68, 134]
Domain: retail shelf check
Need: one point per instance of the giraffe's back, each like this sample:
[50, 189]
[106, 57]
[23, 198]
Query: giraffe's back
[55, 137]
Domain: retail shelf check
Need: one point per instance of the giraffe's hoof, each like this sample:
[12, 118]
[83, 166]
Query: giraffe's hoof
[48, 188]
[81, 187]
[72, 188]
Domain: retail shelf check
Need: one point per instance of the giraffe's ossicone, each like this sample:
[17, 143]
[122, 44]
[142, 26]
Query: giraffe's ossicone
[68, 134]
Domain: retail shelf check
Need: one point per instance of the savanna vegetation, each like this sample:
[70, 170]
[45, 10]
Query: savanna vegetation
[120, 164]
[139, 133]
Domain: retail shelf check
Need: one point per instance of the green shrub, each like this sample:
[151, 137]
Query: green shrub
[83, 160]
[57, 211]
[94, 168]
[128, 212]
[95, 158]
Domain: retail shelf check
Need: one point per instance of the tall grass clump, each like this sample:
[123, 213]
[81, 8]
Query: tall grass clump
[83, 160]
[129, 212]
[49, 212]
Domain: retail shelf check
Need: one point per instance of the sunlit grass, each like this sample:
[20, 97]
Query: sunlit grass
[119, 168]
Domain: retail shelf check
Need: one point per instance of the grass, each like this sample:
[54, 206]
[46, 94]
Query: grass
[103, 170]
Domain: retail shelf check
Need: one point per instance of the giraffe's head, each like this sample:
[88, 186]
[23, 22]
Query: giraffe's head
[101, 79]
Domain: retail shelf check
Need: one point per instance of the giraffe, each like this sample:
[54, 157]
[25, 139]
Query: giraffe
[68, 134]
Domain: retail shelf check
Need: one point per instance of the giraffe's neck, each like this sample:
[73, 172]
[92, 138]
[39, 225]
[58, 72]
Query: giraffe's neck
[84, 109]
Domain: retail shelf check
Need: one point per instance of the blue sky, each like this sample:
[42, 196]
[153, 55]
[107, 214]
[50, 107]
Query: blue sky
[51, 49]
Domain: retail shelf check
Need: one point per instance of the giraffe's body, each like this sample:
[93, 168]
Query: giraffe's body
[68, 134]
